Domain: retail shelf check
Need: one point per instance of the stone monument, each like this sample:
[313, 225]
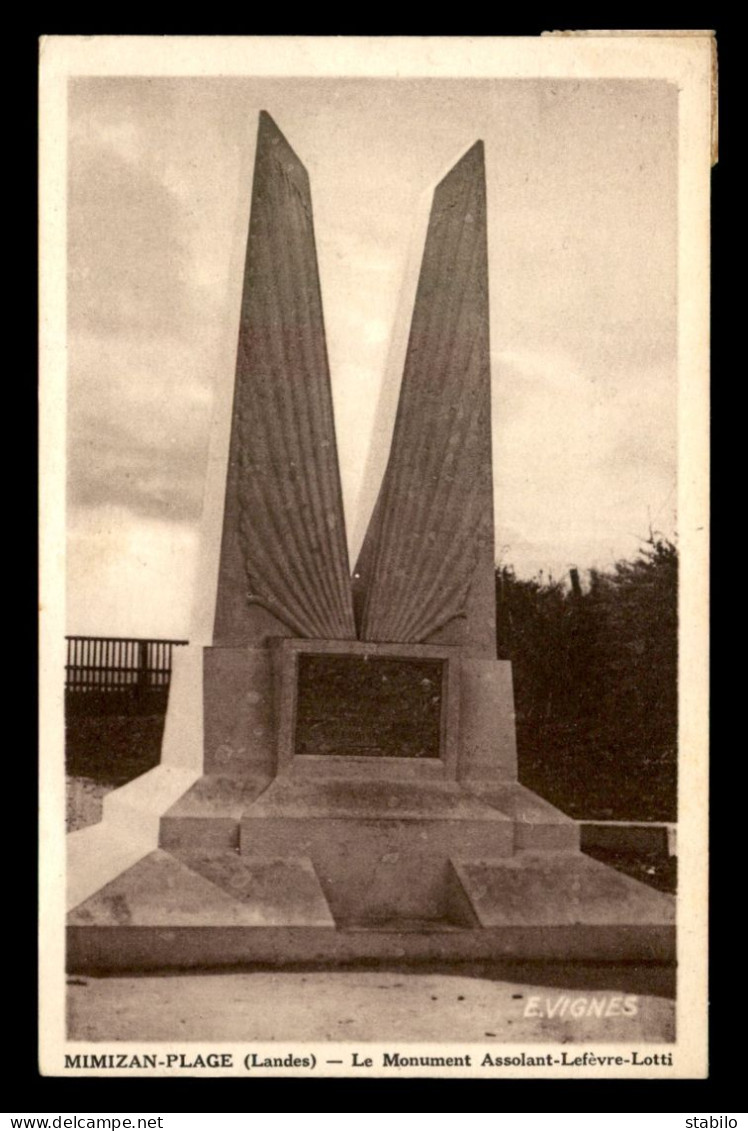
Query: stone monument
[357, 796]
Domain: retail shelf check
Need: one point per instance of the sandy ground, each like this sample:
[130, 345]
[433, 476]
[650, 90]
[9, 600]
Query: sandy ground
[83, 802]
[367, 1005]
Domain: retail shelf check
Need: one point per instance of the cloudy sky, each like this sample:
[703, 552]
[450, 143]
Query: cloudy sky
[582, 184]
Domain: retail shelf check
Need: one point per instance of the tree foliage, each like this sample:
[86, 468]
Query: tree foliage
[595, 676]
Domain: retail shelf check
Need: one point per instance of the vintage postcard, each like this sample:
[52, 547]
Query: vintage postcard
[374, 406]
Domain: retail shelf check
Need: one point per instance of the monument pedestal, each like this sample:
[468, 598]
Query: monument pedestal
[294, 858]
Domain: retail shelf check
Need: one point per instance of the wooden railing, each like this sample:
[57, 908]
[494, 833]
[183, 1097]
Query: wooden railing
[107, 672]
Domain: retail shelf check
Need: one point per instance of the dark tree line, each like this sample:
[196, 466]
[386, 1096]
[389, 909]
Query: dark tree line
[595, 679]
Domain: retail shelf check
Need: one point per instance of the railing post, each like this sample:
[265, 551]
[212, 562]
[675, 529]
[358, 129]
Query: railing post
[142, 683]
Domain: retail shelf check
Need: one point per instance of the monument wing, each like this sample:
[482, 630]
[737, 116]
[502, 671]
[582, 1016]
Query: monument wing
[284, 545]
[430, 540]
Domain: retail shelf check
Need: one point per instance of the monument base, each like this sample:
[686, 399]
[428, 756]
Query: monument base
[275, 856]
[337, 871]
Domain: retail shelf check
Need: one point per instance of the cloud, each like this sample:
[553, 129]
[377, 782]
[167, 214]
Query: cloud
[143, 336]
[138, 423]
[577, 454]
[128, 262]
[141, 573]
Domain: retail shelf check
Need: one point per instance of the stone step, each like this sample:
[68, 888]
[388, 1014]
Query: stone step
[559, 889]
[209, 890]
[538, 825]
[211, 910]
[381, 849]
[207, 816]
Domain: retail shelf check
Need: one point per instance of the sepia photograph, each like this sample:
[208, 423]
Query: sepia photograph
[374, 563]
